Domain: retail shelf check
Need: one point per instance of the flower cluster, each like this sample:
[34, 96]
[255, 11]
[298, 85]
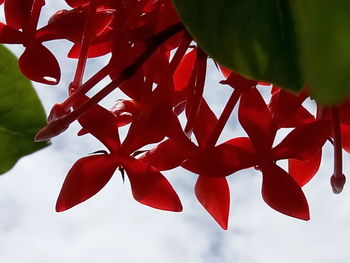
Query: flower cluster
[157, 64]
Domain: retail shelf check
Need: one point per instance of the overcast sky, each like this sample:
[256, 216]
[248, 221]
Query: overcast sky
[113, 227]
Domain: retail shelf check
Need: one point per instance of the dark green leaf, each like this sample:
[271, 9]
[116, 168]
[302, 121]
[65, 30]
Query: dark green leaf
[21, 113]
[324, 32]
[252, 37]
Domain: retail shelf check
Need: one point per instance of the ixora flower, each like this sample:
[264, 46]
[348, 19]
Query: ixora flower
[162, 71]
[37, 62]
[279, 189]
[90, 174]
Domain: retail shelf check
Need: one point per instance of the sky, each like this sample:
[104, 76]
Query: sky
[113, 227]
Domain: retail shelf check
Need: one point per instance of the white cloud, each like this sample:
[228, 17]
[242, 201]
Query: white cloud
[112, 227]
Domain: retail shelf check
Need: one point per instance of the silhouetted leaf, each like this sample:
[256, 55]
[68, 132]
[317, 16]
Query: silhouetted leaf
[253, 38]
[21, 113]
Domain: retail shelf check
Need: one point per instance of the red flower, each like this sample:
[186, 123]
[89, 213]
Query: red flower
[37, 62]
[90, 174]
[279, 189]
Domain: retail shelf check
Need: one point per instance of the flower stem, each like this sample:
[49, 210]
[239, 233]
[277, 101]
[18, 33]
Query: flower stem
[223, 118]
[30, 28]
[85, 44]
[52, 129]
[196, 99]
[338, 178]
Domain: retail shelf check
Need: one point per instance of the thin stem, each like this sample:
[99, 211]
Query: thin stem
[198, 92]
[106, 70]
[338, 159]
[338, 178]
[180, 52]
[85, 44]
[30, 28]
[57, 126]
[223, 118]
[101, 74]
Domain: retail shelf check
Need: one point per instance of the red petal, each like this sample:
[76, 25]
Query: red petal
[71, 24]
[8, 35]
[214, 195]
[287, 110]
[225, 71]
[205, 123]
[134, 87]
[282, 193]
[344, 110]
[345, 133]
[303, 142]
[155, 67]
[150, 5]
[184, 70]
[224, 159]
[38, 64]
[275, 89]
[17, 12]
[152, 124]
[150, 187]
[168, 154]
[237, 81]
[95, 50]
[303, 171]
[256, 120]
[101, 123]
[262, 83]
[87, 177]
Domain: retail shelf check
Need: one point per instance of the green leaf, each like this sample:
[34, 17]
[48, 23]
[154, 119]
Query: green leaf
[252, 37]
[324, 33]
[21, 113]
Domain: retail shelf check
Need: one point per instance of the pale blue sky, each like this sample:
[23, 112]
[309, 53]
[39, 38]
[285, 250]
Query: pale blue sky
[112, 227]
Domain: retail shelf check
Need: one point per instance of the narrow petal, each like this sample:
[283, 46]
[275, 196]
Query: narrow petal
[168, 154]
[150, 187]
[184, 70]
[345, 133]
[87, 177]
[17, 12]
[95, 50]
[225, 71]
[287, 110]
[239, 82]
[9, 35]
[344, 110]
[303, 142]
[303, 171]
[256, 120]
[282, 193]
[38, 64]
[151, 125]
[134, 87]
[195, 94]
[205, 123]
[101, 123]
[156, 67]
[214, 195]
[71, 24]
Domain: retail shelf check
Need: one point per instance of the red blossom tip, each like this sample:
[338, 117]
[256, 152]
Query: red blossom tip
[51, 130]
[337, 183]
